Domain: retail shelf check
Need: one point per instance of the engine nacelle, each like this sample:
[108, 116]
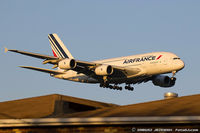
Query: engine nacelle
[163, 81]
[104, 70]
[67, 64]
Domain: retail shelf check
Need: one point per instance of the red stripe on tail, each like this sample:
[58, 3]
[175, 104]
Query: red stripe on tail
[54, 53]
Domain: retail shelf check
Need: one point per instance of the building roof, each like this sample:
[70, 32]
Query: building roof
[59, 106]
[181, 106]
[47, 106]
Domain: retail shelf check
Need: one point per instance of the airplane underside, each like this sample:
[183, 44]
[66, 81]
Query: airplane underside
[112, 83]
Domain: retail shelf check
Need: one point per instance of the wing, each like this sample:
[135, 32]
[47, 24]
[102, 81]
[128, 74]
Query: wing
[119, 72]
[40, 56]
[84, 67]
[47, 58]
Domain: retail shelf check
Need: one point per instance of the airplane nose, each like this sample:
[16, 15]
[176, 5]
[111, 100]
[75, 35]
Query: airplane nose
[181, 64]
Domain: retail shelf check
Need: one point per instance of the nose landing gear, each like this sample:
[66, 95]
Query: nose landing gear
[173, 78]
[173, 75]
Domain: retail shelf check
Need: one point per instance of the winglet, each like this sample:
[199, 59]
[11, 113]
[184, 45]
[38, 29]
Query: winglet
[5, 50]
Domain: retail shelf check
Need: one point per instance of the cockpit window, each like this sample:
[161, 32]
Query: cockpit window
[176, 58]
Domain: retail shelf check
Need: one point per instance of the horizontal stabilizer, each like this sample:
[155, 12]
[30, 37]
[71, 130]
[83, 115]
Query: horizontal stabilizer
[42, 70]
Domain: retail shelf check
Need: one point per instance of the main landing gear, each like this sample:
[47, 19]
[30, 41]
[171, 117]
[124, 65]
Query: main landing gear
[115, 87]
[128, 87]
[105, 84]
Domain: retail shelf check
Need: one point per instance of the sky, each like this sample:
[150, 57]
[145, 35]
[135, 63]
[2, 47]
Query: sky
[93, 30]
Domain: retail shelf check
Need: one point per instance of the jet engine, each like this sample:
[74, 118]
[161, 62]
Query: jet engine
[104, 70]
[163, 81]
[67, 64]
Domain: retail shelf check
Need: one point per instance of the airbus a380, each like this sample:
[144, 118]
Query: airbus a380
[109, 73]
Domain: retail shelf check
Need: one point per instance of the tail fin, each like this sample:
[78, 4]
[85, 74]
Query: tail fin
[58, 47]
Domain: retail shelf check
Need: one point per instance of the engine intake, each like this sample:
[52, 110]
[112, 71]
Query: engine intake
[163, 81]
[67, 64]
[104, 70]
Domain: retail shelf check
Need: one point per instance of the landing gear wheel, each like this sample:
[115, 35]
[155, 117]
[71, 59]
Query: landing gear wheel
[128, 87]
[110, 86]
[132, 88]
[101, 85]
[106, 85]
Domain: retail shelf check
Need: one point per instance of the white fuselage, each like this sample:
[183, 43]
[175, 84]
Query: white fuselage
[150, 64]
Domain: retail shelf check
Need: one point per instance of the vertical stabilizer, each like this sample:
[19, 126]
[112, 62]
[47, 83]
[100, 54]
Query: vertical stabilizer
[58, 47]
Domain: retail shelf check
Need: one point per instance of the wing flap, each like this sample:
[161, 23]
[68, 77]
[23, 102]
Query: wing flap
[42, 70]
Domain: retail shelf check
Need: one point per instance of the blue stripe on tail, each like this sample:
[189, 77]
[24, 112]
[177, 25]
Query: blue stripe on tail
[60, 49]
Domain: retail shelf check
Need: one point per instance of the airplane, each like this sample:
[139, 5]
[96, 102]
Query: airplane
[109, 73]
